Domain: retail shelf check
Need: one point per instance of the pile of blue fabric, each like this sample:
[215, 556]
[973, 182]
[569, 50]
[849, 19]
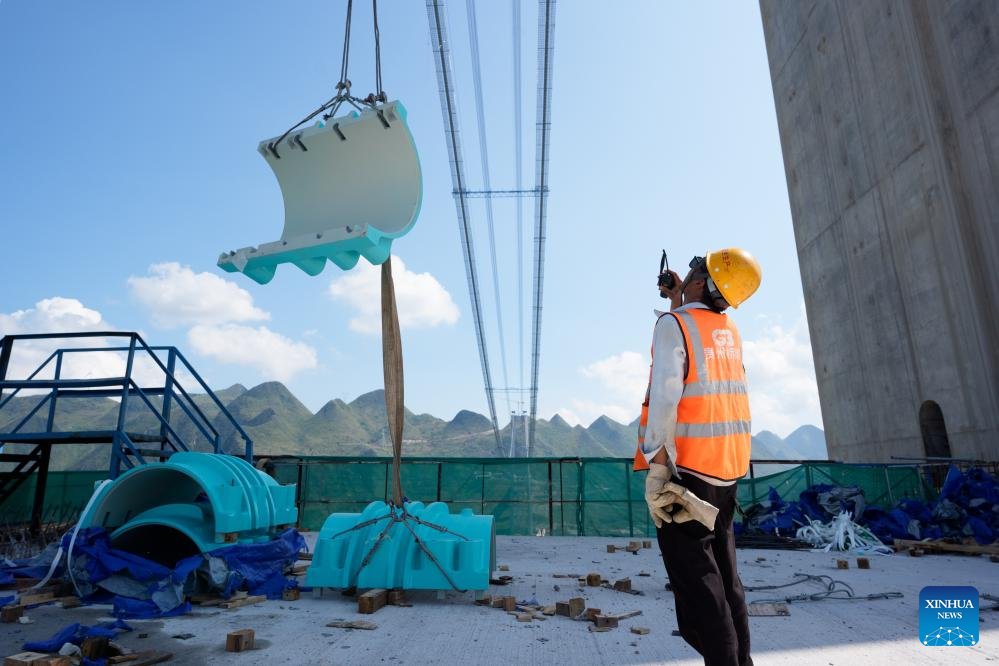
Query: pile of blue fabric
[139, 588]
[968, 506]
[820, 502]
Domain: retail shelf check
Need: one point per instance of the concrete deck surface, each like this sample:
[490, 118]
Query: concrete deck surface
[453, 630]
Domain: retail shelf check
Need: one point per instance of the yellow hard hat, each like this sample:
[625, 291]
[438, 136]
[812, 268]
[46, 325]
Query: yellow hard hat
[736, 274]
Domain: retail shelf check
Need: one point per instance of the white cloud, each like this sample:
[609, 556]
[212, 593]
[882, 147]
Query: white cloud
[423, 302]
[176, 296]
[625, 374]
[621, 379]
[272, 354]
[65, 315]
[782, 390]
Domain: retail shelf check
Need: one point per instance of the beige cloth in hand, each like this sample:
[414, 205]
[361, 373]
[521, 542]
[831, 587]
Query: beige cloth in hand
[672, 503]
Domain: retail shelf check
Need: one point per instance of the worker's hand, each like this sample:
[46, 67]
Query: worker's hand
[676, 504]
[658, 477]
[675, 295]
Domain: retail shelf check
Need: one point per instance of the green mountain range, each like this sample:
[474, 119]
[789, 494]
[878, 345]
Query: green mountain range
[279, 424]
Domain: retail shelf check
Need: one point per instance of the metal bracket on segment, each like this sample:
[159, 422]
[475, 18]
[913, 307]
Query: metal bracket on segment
[350, 186]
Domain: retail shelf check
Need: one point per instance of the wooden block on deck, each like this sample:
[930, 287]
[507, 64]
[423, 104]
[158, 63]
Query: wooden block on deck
[498, 602]
[239, 641]
[372, 600]
[291, 594]
[863, 563]
[94, 647]
[592, 613]
[11, 613]
[486, 600]
[641, 631]
[504, 567]
[623, 585]
[842, 564]
[509, 603]
[647, 543]
[608, 621]
[593, 579]
[524, 617]
[398, 598]
[611, 548]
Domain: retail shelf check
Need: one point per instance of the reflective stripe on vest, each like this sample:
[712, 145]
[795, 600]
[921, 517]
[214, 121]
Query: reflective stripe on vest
[713, 421]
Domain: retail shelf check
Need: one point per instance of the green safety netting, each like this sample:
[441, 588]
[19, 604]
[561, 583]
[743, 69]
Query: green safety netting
[577, 496]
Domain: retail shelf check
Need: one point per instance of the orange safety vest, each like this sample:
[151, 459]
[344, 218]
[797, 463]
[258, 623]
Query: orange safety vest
[712, 419]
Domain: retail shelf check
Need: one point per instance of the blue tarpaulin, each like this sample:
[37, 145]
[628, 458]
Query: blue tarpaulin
[75, 633]
[139, 588]
[968, 505]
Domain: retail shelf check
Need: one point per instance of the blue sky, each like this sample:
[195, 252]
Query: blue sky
[129, 132]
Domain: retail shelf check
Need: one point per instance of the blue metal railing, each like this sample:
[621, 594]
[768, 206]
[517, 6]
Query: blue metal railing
[124, 449]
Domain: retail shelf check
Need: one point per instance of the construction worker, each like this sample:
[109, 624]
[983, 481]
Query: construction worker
[694, 438]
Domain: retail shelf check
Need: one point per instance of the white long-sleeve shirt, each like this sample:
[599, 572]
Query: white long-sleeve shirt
[669, 358]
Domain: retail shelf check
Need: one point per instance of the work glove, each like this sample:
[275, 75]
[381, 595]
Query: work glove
[672, 503]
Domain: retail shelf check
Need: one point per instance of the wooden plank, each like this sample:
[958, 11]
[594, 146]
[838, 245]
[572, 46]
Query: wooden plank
[768, 610]
[941, 546]
[245, 601]
[372, 600]
[35, 659]
[353, 624]
[150, 657]
[641, 631]
[36, 598]
[625, 616]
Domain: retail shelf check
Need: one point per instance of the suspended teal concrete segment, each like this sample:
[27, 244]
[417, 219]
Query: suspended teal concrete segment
[209, 498]
[350, 185]
[398, 562]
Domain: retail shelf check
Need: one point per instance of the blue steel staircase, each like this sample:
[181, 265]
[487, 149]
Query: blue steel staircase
[128, 449]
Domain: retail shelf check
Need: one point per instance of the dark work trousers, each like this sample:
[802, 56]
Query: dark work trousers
[710, 602]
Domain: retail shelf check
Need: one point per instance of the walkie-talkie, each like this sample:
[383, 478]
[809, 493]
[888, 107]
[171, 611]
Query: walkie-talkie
[665, 276]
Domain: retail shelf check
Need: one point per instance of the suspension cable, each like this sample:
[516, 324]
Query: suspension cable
[379, 92]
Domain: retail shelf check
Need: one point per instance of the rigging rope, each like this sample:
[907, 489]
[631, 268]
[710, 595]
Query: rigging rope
[330, 107]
